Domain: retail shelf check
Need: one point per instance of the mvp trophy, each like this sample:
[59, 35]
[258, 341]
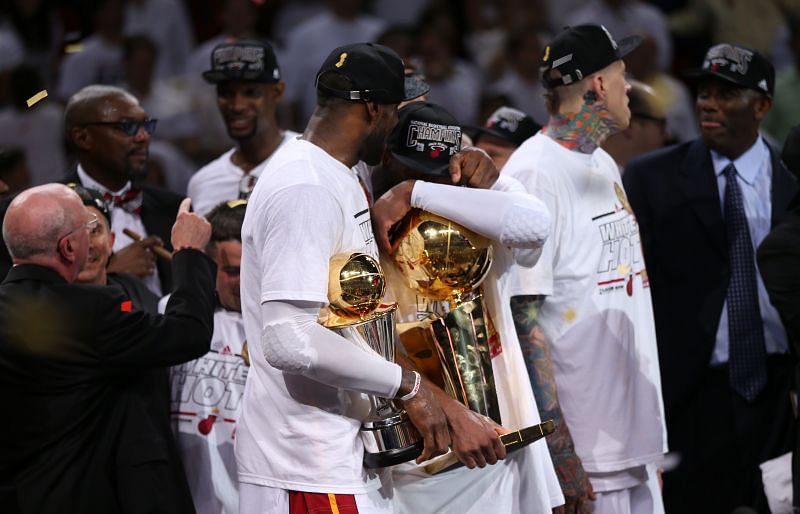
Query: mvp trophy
[356, 287]
[445, 263]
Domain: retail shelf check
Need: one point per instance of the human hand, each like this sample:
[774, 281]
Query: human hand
[475, 440]
[388, 210]
[427, 416]
[136, 258]
[474, 168]
[575, 484]
[190, 230]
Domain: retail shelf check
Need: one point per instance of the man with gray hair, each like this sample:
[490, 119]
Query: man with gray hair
[76, 360]
[110, 133]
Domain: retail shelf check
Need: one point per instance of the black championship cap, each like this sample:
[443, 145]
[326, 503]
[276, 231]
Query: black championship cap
[577, 52]
[243, 60]
[509, 124]
[425, 138]
[376, 72]
[92, 198]
[791, 151]
[741, 66]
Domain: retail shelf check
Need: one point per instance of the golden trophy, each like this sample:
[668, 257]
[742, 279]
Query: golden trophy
[356, 287]
[446, 263]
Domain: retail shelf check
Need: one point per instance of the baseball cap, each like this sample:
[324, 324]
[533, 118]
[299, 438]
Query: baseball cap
[92, 198]
[425, 138]
[243, 60]
[791, 151]
[577, 52]
[510, 125]
[376, 72]
[741, 66]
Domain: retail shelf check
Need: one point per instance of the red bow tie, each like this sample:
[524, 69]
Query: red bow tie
[131, 200]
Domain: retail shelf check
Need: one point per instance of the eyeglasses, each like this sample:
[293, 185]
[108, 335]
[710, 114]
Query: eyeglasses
[89, 225]
[129, 127]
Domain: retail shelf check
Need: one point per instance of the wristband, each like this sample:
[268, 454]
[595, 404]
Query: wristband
[415, 389]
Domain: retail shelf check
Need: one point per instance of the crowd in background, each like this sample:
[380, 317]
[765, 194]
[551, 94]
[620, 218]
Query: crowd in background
[476, 55]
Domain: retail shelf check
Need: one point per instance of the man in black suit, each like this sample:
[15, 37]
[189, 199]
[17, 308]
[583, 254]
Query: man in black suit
[779, 264]
[75, 363]
[110, 133]
[703, 207]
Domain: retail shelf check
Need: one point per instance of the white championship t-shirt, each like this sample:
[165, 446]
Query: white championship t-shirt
[206, 402]
[221, 180]
[296, 433]
[598, 315]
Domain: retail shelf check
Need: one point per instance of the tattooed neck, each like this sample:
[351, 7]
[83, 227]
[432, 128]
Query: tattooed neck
[583, 131]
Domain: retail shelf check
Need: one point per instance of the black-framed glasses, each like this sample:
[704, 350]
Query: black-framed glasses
[129, 127]
[89, 225]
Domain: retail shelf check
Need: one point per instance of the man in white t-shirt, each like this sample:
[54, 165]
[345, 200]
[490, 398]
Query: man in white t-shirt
[583, 312]
[416, 163]
[249, 87]
[207, 392]
[298, 444]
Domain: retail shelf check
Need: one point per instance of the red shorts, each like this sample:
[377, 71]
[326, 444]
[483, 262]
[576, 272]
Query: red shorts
[321, 503]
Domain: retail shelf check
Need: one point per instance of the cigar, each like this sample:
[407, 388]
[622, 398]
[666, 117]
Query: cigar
[157, 249]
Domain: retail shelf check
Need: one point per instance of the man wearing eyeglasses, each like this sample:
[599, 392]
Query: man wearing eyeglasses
[76, 362]
[110, 133]
[249, 87]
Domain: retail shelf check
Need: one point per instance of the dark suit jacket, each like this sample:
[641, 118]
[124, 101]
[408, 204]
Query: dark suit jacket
[159, 210]
[75, 369]
[676, 201]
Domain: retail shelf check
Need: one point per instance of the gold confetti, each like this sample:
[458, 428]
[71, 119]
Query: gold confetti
[73, 48]
[623, 268]
[37, 97]
[570, 314]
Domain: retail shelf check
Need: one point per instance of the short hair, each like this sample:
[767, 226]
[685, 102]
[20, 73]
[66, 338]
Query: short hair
[226, 221]
[44, 241]
[87, 99]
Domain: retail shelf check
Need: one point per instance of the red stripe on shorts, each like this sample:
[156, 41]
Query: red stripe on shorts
[301, 502]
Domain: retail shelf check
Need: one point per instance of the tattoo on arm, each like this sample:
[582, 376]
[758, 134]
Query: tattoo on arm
[538, 360]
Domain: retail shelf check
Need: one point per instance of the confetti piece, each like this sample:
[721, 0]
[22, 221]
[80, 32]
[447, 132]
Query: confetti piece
[37, 97]
[569, 314]
[623, 268]
[74, 48]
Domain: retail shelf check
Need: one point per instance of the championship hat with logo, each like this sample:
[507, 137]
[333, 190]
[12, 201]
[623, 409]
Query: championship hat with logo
[510, 125]
[375, 71]
[425, 138]
[577, 52]
[741, 66]
[243, 60]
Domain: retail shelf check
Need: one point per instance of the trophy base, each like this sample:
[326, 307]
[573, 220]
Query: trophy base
[512, 441]
[390, 440]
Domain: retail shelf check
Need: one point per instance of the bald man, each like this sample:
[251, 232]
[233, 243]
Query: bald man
[80, 434]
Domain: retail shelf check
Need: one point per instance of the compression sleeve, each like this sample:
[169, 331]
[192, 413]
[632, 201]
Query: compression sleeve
[293, 341]
[515, 219]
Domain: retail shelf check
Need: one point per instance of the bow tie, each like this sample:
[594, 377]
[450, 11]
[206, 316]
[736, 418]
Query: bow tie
[131, 200]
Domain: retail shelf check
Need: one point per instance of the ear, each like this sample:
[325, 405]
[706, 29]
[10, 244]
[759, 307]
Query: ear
[277, 90]
[66, 250]
[112, 236]
[373, 112]
[598, 86]
[80, 137]
[761, 107]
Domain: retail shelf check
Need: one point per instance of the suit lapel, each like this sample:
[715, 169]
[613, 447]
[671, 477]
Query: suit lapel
[699, 185]
[784, 188]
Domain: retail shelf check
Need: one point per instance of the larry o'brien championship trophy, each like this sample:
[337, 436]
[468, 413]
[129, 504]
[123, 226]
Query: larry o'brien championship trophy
[356, 286]
[445, 263]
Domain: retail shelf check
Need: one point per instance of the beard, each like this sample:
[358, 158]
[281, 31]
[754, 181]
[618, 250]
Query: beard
[373, 147]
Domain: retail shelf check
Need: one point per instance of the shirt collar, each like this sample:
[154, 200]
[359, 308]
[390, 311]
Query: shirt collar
[747, 165]
[87, 181]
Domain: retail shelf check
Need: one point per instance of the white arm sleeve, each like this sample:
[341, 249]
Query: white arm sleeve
[293, 341]
[515, 219]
